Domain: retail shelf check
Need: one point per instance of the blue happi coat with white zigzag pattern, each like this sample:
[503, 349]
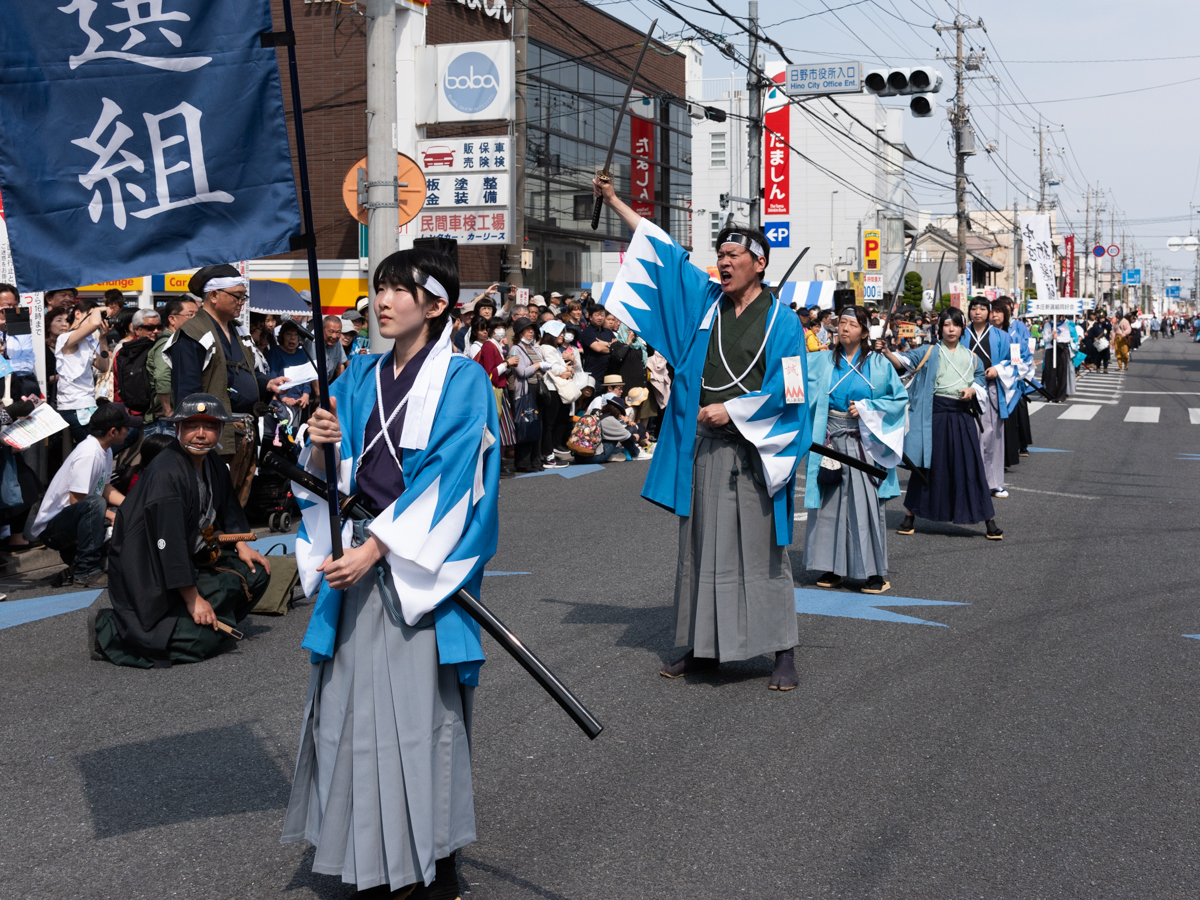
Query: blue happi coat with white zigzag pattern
[671, 304]
[439, 533]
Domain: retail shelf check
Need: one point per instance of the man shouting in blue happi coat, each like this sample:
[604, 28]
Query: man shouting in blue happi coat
[731, 437]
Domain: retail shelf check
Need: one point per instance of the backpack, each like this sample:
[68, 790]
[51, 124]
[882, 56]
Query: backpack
[585, 436]
[133, 380]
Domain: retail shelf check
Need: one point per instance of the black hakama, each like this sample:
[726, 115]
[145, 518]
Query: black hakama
[1017, 432]
[958, 488]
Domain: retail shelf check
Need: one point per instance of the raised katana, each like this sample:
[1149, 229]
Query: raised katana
[604, 174]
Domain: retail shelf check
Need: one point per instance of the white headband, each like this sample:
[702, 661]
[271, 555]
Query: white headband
[743, 240]
[224, 284]
[430, 284]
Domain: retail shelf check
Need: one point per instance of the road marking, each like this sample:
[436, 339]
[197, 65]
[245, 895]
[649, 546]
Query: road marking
[817, 602]
[1035, 405]
[19, 612]
[1194, 416]
[1148, 414]
[1080, 412]
[1047, 450]
[800, 517]
[571, 471]
[1009, 487]
[1168, 393]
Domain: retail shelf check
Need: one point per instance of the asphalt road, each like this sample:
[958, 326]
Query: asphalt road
[1041, 744]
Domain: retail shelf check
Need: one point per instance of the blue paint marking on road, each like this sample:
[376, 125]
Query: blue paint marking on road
[1188, 456]
[1195, 637]
[568, 472]
[862, 606]
[486, 574]
[262, 545]
[1047, 450]
[19, 612]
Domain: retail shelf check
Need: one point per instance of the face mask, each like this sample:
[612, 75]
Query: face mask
[498, 333]
[568, 337]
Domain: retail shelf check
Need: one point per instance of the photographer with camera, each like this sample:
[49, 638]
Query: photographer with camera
[78, 355]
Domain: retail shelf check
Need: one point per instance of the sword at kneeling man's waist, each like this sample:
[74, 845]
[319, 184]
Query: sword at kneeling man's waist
[470, 605]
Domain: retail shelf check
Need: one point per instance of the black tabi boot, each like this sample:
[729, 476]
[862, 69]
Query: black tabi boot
[688, 665]
[445, 882]
[784, 678]
[993, 533]
[908, 526]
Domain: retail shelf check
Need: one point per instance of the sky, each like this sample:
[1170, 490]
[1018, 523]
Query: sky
[1043, 58]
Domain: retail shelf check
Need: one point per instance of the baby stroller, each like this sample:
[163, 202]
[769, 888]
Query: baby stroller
[271, 497]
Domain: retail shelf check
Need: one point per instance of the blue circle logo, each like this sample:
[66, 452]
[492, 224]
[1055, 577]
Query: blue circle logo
[471, 82]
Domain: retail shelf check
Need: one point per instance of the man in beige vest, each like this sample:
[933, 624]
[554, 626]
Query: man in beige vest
[210, 354]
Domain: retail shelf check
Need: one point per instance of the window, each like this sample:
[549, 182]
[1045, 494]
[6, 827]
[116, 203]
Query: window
[717, 157]
[715, 225]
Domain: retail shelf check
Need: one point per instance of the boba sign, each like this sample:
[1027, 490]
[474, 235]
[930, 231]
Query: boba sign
[471, 82]
[475, 81]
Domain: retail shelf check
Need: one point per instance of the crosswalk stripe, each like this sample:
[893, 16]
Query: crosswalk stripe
[1092, 400]
[1148, 414]
[1194, 416]
[1080, 412]
[1035, 405]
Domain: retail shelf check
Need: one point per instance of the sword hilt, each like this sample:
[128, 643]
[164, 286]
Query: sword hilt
[602, 176]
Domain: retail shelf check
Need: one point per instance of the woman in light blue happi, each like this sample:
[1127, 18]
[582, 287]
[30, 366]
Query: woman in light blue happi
[857, 404]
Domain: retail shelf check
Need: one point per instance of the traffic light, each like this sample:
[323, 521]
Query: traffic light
[920, 81]
[724, 198]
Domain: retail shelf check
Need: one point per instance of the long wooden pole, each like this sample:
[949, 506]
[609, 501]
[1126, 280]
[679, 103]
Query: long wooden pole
[309, 238]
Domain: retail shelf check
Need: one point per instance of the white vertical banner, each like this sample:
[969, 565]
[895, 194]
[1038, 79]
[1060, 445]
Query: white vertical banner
[243, 268]
[37, 329]
[37, 308]
[7, 273]
[1039, 249]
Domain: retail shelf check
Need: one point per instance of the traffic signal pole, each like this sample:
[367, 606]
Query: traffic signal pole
[959, 120]
[753, 79]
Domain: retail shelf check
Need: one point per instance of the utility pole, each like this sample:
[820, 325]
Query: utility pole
[516, 274]
[383, 210]
[753, 77]
[958, 120]
[1041, 167]
[1087, 218]
[1016, 256]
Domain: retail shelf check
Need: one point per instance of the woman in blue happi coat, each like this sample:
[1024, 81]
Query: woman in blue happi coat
[946, 387]
[857, 405]
[383, 776]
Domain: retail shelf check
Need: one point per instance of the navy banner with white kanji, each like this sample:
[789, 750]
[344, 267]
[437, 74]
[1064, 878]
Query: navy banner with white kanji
[140, 136]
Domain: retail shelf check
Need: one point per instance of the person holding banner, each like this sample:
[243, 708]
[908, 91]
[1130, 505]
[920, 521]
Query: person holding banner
[942, 437]
[857, 403]
[729, 442]
[383, 775]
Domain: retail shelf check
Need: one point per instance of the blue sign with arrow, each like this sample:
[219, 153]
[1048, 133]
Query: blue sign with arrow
[779, 234]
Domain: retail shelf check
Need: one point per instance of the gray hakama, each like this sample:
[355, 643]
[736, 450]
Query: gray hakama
[991, 441]
[847, 535]
[383, 777]
[733, 595]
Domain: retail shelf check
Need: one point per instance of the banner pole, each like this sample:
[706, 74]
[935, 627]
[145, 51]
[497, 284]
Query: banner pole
[309, 241]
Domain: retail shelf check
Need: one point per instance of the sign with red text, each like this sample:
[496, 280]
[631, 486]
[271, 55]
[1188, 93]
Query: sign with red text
[641, 168]
[872, 241]
[1069, 272]
[777, 159]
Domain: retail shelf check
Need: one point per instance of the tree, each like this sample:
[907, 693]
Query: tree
[913, 288]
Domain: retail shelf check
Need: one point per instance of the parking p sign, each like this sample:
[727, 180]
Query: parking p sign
[779, 234]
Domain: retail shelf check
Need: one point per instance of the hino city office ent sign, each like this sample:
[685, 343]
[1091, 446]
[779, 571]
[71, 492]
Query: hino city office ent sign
[824, 78]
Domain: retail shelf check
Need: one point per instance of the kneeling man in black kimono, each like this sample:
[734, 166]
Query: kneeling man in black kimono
[170, 577]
